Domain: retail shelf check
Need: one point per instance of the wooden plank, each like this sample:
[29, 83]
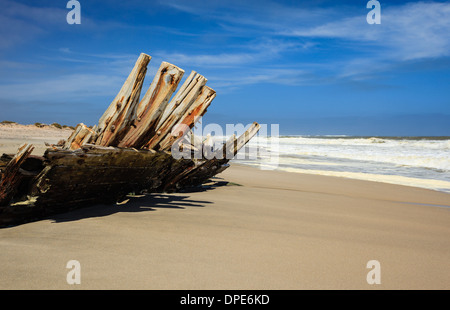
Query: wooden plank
[246, 136]
[187, 86]
[184, 98]
[212, 167]
[11, 176]
[152, 105]
[93, 155]
[97, 174]
[190, 117]
[80, 136]
[227, 150]
[115, 122]
[170, 184]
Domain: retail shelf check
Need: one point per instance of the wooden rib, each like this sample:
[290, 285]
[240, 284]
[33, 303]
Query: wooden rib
[233, 145]
[227, 150]
[191, 116]
[152, 105]
[116, 120]
[209, 168]
[180, 104]
[80, 136]
[246, 136]
[179, 96]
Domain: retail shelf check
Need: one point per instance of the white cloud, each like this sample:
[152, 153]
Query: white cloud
[246, 54]
[262, 14]
[23, 23]
[408, 32]
[89, 75]
[62, 88]
[411, 31]
[216, 60]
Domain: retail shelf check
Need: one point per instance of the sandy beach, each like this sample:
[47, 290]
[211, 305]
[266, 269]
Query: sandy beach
[249, 229]
[12, 136]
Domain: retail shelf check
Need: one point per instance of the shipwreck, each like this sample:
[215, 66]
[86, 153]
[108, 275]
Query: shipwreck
[130, 150]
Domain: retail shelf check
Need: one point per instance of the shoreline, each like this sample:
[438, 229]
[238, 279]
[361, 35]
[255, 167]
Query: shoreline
[13, 135]
[423, 183]
[444, 196]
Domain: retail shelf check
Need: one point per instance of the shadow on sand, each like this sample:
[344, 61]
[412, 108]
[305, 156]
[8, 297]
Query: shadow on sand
[141, 203]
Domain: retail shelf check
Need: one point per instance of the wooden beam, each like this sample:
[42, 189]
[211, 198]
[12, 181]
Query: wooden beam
[152, 105]
[97, 174]
[191, 116]
[227, 150]
[246, 136]
[184, 98]
[187, 86]
[80, 136]
[116, 120]
[209, 168]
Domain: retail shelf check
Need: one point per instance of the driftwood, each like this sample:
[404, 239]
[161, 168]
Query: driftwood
[130, 150]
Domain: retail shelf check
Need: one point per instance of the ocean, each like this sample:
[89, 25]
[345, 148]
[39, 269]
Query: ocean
[413, 161]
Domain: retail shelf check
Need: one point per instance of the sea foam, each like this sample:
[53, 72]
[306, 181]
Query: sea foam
[415, 161]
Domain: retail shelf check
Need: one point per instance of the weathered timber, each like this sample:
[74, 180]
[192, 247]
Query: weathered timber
[246, 136]
[117, 119]
[196, 110]
[95, 174]
[4, 160]
[80, 136]
[228, 149]
[182, 92]
[209, 168]
[208, 147]
[173, 184]
[152, 105]
[184, 98]
[11, 176]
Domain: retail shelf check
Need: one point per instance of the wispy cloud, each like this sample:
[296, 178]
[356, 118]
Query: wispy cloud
[263, 14]
[21, 22]
[89, 75]
[274, 76]
[273, 39]
[62, 88]
[25, 23]
[411, 31]
[215, 60]
[250, 53]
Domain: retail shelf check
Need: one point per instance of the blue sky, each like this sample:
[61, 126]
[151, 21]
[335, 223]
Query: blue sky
[314, 67]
